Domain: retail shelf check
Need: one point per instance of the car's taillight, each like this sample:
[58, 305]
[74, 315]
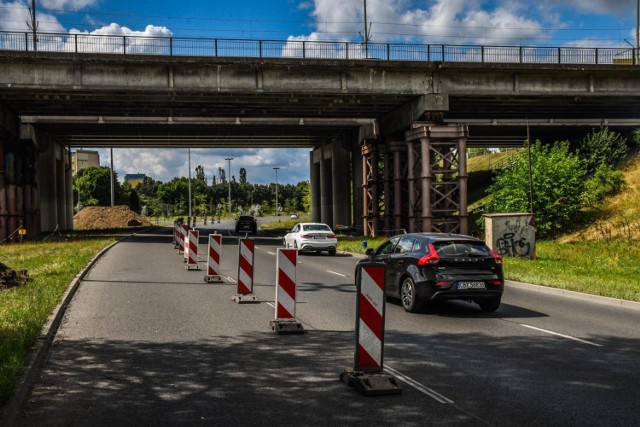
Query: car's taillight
[496, 282]
[442, 283]
[431, 258]
[496, 257]
[331, 236]
[306, 236]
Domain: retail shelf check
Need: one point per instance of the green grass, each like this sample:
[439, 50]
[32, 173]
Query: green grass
[607, 268]
[25, 309]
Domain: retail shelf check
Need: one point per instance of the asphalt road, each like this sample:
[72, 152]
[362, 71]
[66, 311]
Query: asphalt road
[147, 342]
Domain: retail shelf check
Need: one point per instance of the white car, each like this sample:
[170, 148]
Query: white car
[311, 237]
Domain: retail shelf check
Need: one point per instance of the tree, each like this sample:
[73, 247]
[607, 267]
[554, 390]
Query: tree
[602, 147]
[200, 174]
[243, 176]
[556, 176]
[134, 201]
[92, 186]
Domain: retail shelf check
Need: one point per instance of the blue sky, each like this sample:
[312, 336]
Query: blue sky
[588, 23]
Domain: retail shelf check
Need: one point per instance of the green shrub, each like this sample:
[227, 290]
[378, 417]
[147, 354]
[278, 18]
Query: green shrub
[605, 182]
[602, 147]
[557, 187]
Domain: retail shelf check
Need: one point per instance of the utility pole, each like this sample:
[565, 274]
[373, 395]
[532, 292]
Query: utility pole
[366, 36]
[228, 159]
[189, 165]
[112, 186]
[33, 25]
[275, 168]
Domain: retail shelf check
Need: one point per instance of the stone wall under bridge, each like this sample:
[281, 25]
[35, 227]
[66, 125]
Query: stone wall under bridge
[419, 184]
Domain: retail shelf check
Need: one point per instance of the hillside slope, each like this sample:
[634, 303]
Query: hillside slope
[620, 214]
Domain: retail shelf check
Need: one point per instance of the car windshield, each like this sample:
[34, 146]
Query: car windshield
[316, 227]
[461, 249]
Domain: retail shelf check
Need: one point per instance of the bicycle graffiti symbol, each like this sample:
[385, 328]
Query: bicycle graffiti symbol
[510, 246]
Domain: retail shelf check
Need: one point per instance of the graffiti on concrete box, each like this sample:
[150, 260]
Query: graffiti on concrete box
[512, 235]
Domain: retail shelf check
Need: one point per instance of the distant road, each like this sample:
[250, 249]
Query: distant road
[146, 342]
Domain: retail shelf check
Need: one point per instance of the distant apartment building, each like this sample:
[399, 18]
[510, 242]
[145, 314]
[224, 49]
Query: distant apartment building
[134, 179]
[82, 159]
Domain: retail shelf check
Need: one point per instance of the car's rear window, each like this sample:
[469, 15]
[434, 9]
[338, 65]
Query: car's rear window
[461, 249]
[316, 227]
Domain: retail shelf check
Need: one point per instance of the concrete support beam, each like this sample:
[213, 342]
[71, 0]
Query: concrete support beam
[357, 202]
[399, 119]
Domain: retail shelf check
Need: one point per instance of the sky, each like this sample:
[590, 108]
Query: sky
[584, 23]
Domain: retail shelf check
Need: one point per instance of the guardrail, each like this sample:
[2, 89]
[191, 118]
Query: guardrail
[215, 47]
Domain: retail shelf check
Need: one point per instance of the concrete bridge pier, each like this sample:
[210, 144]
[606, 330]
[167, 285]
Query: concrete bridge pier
[330, 184]
[54, 185]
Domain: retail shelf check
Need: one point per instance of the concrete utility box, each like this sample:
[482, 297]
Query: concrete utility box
[511, 234]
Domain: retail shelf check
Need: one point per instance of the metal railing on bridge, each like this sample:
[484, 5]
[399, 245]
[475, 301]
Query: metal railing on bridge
[302, 49]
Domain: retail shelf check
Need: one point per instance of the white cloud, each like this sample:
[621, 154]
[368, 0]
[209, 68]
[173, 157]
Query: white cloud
[165, 164]
[15, 15]
[66, 4]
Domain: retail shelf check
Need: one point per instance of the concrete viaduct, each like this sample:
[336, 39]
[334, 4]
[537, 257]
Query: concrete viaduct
[388, 137]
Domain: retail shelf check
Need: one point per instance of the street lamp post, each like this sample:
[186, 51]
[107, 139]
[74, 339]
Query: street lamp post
[275, 168]
[228, 159]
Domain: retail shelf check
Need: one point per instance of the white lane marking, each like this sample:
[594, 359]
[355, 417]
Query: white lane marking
[421, 388]
[271, 253]
[569, 337]
[232, 280]
[336, 273]
[271, 304]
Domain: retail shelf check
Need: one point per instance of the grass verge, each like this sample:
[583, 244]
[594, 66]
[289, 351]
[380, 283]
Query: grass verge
[25, 309]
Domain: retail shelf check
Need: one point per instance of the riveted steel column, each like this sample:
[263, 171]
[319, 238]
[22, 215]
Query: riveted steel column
[463, 179]
[397, 149]
[414, 190]
[370, 188]
[426, 184]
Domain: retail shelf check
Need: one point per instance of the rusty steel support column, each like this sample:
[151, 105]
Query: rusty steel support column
[370, 188]
[437, 157]
[386, 202]
[398, 149]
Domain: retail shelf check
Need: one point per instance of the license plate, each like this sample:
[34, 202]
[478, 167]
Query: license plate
[470, 285]
[319, 237]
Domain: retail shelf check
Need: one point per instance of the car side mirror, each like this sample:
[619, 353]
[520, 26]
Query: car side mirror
[370, 252]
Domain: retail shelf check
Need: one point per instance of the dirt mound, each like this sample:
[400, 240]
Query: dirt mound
[10, 278]
[105, 217]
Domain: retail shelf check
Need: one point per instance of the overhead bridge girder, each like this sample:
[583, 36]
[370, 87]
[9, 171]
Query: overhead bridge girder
[419, 184]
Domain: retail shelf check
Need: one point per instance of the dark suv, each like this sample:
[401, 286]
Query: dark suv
[422, 267]
[247, 224]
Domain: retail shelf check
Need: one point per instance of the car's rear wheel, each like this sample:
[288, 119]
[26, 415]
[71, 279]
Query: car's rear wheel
[332, 252]
[489, 304]
[409, 297]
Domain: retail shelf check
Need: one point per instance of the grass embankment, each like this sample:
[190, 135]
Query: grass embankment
[25, 309]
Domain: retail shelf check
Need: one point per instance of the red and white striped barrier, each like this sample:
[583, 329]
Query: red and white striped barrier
[213, 258]
[192, 250]
[285, 321]
[368, 376]
[182, 236]
[245, 271]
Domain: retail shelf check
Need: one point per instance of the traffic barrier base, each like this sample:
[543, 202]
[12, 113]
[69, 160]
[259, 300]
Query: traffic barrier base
[286, 326]
[245, 298]
[371, 383]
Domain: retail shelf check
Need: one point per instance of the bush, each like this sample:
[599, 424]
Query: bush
[602, 147]
[605, 182]
[557, 187]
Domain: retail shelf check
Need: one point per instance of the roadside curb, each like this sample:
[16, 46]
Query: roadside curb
[40, 352]
[598, 299]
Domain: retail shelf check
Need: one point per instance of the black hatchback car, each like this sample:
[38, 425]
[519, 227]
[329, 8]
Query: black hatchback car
[424, 267]
[246, 223]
